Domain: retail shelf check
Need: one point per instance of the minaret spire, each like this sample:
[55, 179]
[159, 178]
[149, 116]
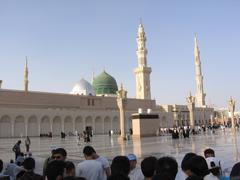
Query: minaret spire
[200, 95]
[141, 42]
[142, 72]
[26, 76]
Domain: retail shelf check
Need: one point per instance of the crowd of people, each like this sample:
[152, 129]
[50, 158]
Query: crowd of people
[96, 167]
[185, 131]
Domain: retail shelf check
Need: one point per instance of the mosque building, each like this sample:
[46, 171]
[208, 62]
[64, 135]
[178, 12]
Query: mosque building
[94, 105]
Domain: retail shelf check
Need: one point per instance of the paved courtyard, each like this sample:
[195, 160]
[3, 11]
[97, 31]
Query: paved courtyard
[225, 145]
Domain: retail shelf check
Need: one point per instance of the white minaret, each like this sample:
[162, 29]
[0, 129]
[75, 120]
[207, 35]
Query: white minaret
[142, 72]
[26, 76]
[200, 95]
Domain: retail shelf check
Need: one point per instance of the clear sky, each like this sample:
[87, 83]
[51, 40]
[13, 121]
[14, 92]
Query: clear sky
[66, 40]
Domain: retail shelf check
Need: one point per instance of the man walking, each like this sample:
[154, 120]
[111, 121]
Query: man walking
[27, 144]
[16, 149]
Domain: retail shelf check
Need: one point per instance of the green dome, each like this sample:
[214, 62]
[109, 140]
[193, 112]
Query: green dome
[105, 84]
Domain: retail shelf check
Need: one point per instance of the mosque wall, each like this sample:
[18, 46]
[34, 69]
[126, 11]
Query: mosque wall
[36, 113]
[15, 122]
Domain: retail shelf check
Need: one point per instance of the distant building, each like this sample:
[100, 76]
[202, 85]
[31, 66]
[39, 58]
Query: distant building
[93, 105]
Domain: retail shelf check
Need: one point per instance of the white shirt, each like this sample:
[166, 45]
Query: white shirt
[105, 165]
[180, 175]
[210, 176]
[90, 169]
[136, 174]
[12, 170]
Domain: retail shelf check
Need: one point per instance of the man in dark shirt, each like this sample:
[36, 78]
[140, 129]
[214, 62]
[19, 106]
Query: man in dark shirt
[16, 148]
[29, 166]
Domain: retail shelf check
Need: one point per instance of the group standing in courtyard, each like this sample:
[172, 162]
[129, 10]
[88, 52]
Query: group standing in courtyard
[96, 167]
[129, 167]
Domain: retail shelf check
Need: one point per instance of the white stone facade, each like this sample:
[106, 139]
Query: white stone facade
[142, 72]
[35, 113]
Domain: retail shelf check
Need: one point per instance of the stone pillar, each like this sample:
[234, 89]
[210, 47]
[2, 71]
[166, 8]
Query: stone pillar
[212, 120]
[204, 117]
[62, 125]
[84, 123]
[51, 125]
[93, 125]
[111, 124]
[191, 108]
[231, 107]
[74, 124]
[39, 127]
[122, 102]
[12, 128]
[26, 127]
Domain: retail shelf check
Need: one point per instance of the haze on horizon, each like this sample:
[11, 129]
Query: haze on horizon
[69, 40]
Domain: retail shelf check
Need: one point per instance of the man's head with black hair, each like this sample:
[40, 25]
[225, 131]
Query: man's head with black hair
[235, 173]
[209, 153]
[148, 166]
[59, 154]
[198, 166]
[29, 164]
[55, 169]
[88, 152]
[167, 165]
[120, 166]
[70, 168]
[185, 165]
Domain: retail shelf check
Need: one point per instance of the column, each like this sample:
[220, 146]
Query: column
[12, 128]
[191, 108]
[231, 107]
[122, 102]
[26, 127]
